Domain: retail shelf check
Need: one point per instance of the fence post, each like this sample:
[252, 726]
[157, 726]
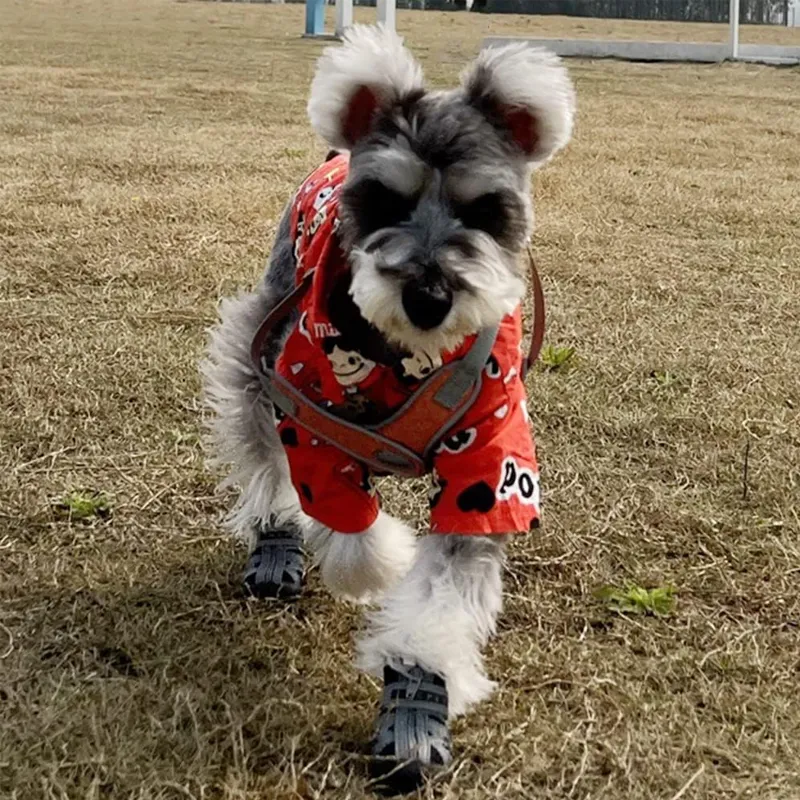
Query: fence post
[344, 16]
[386, 13]
[315, 17]
[734, 29]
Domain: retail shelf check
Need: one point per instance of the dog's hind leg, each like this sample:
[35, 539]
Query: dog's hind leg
[267, 514]
[426, 641]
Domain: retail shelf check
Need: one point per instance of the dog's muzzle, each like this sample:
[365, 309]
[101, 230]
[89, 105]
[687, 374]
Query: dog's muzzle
[426, 305]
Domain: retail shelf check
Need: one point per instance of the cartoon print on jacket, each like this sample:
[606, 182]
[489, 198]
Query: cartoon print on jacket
[348, 365]
[419, 365]
[298, 238]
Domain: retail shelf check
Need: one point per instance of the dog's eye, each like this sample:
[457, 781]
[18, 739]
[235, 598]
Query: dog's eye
[376, 206]
[486, 213]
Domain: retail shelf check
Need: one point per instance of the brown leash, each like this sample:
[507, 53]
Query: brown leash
[537, 333]
[403, 443]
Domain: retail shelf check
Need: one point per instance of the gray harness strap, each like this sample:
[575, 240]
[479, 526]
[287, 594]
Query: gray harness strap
[468, 371]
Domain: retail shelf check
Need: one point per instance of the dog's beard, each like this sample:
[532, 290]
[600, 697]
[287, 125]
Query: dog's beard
[493, 289]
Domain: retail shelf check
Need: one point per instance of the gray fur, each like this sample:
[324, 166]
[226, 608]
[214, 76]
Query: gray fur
[280, 273]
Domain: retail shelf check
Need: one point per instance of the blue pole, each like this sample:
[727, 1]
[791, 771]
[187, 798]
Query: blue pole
[315, 17]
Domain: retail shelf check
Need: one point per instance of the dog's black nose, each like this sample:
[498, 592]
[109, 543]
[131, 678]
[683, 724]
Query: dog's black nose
[426, 306]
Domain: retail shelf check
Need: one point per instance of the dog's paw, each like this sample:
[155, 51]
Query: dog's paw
[412, 740]
[276, 566]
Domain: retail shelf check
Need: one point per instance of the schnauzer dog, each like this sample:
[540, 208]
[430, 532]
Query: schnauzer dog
[408, 239]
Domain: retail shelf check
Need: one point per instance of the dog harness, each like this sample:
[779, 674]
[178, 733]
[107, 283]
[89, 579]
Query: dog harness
[343, 418]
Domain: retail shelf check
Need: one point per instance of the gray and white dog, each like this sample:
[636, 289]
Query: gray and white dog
[433, 216]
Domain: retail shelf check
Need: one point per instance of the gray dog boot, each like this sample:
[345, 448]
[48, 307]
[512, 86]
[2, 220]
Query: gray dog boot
[275, 567]
[412, 740]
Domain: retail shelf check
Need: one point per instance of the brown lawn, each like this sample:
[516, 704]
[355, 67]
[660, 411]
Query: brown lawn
[146, 150]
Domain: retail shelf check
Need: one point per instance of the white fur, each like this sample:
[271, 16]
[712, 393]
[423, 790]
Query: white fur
[361, 566]
[371, 56]
[495, 291]
[441, 615]
[267, 498]
[521, 76]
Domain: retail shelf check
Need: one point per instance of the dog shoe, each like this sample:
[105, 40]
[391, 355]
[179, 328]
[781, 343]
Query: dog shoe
[412, 740]
[276, 565]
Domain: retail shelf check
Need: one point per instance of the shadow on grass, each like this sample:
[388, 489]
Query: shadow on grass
[133, 685]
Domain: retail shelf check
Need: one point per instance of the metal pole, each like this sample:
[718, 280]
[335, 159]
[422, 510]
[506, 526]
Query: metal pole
[344, 16]
[386, 13]
[315, 17]
[734, 30]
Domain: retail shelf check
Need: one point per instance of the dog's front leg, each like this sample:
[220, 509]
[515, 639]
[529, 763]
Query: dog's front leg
[426, 641]
[363, 566]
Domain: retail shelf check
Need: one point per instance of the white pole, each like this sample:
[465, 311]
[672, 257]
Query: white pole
[734, 29]
[344, 15]
[386, 13]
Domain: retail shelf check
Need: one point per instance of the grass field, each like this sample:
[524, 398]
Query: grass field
[146, 150]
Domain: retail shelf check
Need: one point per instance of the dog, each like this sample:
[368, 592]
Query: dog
[409, 237]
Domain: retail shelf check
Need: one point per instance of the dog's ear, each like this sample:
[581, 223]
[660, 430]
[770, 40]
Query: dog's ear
[526, 93]
[369, 73]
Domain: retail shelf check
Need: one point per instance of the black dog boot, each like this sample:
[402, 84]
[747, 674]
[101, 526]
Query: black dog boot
[412, 740]
[276, 565]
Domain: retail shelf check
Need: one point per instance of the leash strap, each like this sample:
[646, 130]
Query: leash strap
[537, 334]
[439, 403]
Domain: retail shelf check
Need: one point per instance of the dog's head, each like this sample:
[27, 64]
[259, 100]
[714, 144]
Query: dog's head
[436, 207]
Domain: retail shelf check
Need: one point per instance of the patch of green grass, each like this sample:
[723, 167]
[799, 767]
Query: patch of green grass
[189, 438]
[769, 523]
[634, 599]
[664, 378]
[556, 357]
[84, 505]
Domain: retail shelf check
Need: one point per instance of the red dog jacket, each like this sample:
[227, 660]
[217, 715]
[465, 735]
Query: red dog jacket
[485, 478]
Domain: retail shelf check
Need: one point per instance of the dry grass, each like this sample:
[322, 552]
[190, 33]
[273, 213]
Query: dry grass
[146, 149]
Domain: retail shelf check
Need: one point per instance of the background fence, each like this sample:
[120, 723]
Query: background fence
[767, 12]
